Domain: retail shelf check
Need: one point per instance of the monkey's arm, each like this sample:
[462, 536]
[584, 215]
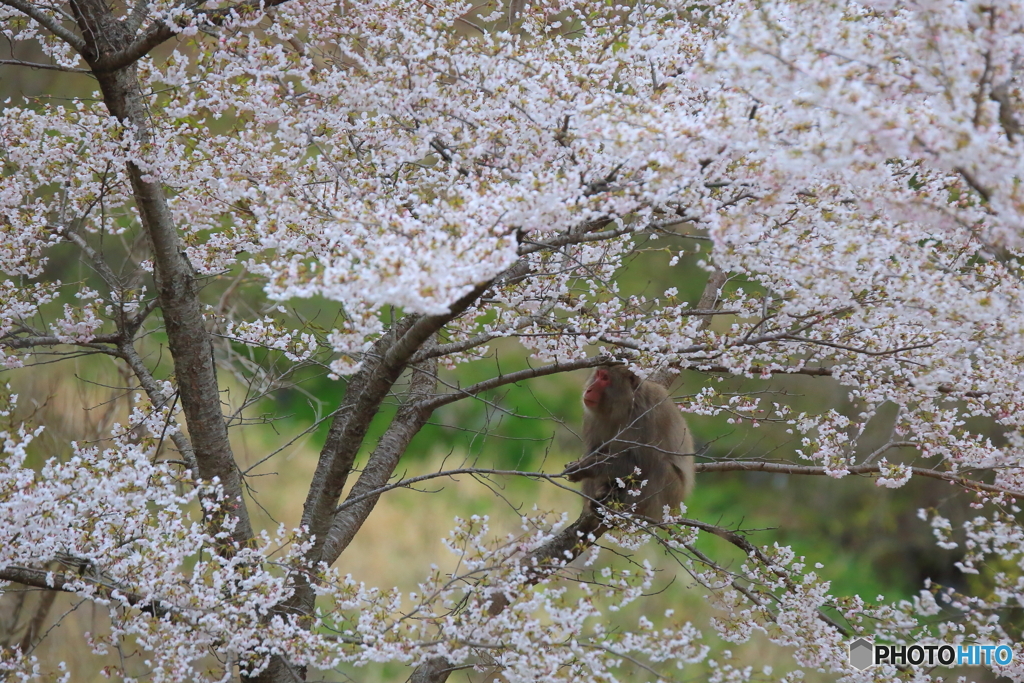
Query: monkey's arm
[592, 466]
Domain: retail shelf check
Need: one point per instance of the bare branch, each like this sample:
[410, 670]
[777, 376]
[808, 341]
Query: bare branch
[758, 370]
[59, 581]
[782, 468]
[382, 462]
[567, 238]
[399, 354]
[39, 65]
[512, 378]
[454, 347]
[100, 263]
[407, 483]
[37, 340]
[157, 397]
[854, 349]
[974, 183]
[888, 446]
[382, 366]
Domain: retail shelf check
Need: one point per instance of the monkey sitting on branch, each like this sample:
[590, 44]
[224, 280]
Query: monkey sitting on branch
[631, 425]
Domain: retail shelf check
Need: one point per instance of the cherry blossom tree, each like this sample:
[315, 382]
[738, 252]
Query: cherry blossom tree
[450, 175]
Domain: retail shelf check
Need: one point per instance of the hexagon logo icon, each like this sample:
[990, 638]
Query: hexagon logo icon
[861, 653]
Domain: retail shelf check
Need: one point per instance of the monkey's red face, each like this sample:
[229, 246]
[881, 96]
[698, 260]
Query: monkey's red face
[595, 390]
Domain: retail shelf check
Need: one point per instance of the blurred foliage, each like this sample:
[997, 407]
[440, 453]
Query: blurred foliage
[869, 538]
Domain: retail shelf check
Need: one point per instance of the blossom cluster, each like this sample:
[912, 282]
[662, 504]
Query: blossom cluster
[852, 170]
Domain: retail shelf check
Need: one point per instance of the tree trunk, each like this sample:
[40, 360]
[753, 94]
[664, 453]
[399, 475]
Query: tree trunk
[176, 285]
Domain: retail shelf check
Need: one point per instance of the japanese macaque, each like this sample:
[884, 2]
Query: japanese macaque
[630, 424]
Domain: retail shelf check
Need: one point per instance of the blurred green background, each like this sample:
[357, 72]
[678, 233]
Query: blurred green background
[869, 538]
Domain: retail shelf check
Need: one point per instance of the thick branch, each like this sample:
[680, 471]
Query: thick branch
[857, 350]
[36, 340]
[57, 581]
[47, 21]
[758, 370]
[693, 348]
[382, 463]
[400, 353]
[191, 348]
[567, 238]
[562, 549]
[176, 283]
[367, 389]
[816, 372]
[39, 65]
[512, 378]
[160, 32]
[435, 670]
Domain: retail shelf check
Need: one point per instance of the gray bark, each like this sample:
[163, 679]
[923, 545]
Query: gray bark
[176, 284]
[382, 463]
[367, 389]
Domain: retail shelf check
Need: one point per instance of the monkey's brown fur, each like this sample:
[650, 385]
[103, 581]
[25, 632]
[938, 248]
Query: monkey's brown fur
[628, 424]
